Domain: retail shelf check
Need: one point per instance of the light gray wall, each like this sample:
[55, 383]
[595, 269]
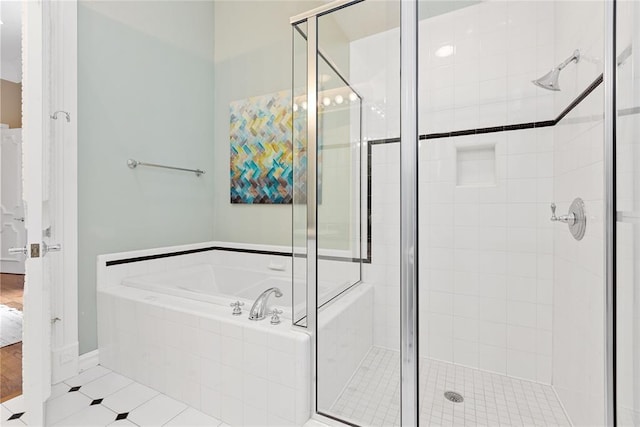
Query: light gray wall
[145, 83]
[155, 82]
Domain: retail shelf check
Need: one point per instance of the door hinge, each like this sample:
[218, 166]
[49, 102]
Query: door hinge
[35, 250]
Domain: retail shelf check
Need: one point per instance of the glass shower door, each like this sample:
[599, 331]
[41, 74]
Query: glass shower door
[346, 161]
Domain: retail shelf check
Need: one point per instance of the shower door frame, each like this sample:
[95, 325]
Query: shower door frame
[409, 202]
[609, 166]
[409, 408]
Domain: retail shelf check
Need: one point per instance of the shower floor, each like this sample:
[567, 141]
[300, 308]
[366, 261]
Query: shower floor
[372, 396]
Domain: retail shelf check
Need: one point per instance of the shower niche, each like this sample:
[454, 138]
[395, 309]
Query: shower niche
[475, 165]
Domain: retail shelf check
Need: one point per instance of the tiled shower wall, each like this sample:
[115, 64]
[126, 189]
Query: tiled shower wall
[488, 263]
[486, 244]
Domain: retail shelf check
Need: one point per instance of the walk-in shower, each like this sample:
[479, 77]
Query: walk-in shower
[550, 80]
[510, 305]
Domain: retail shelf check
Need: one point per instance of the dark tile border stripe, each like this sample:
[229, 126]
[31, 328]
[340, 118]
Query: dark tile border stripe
[193, 251]
[367, 260]
[223, 248]
[503, 128]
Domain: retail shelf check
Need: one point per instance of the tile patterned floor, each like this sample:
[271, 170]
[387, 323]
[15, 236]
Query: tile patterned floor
[100, 397]
[372, 396]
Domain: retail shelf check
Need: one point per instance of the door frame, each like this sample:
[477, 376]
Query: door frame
[49, 38]
[63, 60]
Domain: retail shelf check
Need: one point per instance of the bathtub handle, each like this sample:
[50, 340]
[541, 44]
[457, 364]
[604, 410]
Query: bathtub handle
[275, 316]
[237, 311]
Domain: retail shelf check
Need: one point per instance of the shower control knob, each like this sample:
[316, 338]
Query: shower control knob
[275, 316]
[567, 219]
[237, 311]
[576, 218]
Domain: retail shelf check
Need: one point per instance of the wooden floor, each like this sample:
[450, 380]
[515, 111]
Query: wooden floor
[11, 292]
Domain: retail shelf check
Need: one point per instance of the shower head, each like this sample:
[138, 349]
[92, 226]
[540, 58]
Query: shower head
[550, 80]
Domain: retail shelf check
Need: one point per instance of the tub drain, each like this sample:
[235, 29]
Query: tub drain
[454, 397]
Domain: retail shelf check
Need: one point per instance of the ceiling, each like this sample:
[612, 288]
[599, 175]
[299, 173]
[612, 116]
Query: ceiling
[11, 40]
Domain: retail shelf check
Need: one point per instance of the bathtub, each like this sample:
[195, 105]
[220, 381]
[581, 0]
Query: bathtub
[217, 284]
[164, 320]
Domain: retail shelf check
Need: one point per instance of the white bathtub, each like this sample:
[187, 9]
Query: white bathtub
[164, 320]
[217, 284]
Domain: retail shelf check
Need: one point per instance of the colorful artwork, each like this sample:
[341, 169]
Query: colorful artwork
[261, 149]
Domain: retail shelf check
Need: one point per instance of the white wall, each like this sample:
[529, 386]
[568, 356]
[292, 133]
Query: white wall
[145, 84]
[487, 268]
[578, 315]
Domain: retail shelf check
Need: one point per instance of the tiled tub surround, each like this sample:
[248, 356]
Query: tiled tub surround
[195, 351]
[240, 371]
[345, 337]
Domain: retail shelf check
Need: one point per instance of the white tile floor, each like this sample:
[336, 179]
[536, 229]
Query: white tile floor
[100, 397]
[373, 396]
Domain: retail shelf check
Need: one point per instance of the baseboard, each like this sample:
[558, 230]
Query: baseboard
[89, 360]
[64, 362]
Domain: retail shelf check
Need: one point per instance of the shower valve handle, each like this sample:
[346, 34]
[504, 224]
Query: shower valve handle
[567, 219]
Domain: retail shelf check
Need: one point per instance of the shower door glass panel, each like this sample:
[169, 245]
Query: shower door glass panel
[358, 331]
[339, 181]
[628, 214]
[508, 296]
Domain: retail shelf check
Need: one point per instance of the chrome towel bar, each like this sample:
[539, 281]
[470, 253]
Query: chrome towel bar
[134, 164]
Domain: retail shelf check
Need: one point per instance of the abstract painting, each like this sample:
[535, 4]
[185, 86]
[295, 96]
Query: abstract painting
[261, 149]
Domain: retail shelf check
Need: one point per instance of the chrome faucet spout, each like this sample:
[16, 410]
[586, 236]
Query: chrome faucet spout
[259, 308]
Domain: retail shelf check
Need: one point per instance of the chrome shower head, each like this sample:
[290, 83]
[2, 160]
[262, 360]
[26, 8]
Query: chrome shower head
[550, 80]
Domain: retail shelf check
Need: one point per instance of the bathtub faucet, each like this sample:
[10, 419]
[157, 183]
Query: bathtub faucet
[259, 308]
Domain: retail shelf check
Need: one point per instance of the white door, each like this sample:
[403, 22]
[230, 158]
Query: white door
[12, 231]
[38, 213]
